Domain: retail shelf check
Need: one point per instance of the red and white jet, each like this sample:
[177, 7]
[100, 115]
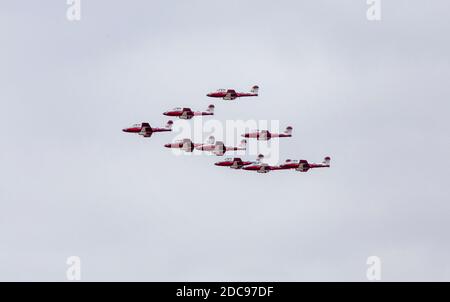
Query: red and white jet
[237, 163]
[187, 145]
[220, 149]
[264, 135]
[145, 130]
[231, 94]
[303, 165]
[187, 113]
[299, 165]
[261, 167]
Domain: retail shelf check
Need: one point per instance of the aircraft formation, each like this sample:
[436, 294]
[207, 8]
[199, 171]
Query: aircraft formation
[219, 148]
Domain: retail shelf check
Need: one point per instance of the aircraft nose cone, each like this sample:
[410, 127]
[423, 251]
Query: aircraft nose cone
[165, 113]
[125, 130]
[217, 164]
[167, 145]
[209, 94]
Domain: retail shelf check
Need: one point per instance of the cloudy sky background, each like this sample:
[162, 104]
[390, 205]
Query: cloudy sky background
[372, 95]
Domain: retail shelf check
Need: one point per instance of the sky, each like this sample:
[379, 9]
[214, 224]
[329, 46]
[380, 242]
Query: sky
[373, 95]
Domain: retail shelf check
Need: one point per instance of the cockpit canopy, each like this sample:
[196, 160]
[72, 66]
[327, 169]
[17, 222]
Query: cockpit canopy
[291, 161]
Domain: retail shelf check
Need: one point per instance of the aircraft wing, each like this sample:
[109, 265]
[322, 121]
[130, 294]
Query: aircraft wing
[303, 166]
[231, 94]
[219, 148]
[146, 130]
[185, 114]
[187, 145]
[220, 145]
[236, 164]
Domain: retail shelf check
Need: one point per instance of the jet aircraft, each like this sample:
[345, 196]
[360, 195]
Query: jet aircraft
[187, 113]
[231, 94]
[146, 130]
[264, 135]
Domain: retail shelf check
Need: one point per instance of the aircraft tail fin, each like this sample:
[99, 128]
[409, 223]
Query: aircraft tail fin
[259, 158]
[210, 109]
[243, 143]
[288, 130]
[169, 124]
[255, 89]
[327, 161]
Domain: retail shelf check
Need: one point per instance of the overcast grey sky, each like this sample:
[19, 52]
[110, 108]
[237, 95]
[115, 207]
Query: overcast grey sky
[372, 95]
